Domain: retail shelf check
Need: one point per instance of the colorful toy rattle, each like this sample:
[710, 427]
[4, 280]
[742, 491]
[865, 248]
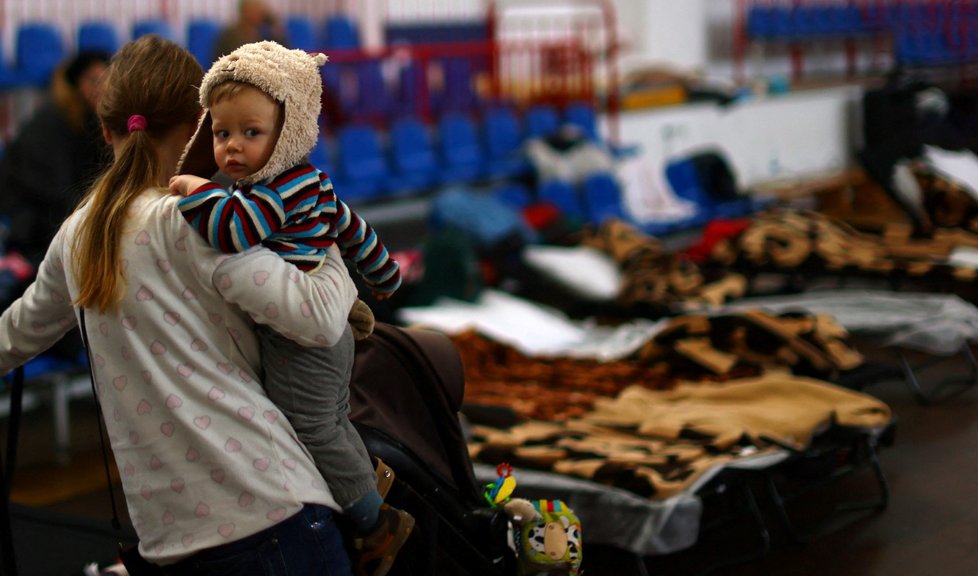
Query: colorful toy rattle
[498, 492]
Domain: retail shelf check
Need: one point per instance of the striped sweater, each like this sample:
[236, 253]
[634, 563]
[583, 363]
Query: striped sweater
[297, 215]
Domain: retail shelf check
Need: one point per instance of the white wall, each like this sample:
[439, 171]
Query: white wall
[664, 32]
[800, 134]
[796, 135]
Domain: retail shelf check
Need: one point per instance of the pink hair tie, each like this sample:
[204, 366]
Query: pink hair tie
[137, 122]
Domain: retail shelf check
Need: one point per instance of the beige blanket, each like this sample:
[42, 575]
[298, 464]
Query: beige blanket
[658, 442]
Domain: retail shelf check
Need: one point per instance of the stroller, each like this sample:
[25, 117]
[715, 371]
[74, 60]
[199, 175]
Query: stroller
[405, 396]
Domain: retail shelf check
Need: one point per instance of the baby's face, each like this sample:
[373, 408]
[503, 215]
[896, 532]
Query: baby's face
[245, 128]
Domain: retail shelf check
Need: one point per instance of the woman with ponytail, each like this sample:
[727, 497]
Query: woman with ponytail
[214, 478]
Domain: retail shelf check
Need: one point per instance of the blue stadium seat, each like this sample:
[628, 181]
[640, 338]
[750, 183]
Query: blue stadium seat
[761, 22]
[156, 26]
[201, 40]
[463, 159]
[97, 35]
[564, 196]
[40, 49]
[413, 158]
[582, 115]
[339, 92]
[301, 33]
[782, 23]
[710, 190]
[503, 139]
[602, 197]
[541, 120]
[340, 33]
[361, 173]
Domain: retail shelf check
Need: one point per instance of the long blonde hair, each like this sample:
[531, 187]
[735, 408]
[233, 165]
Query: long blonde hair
[157, 79]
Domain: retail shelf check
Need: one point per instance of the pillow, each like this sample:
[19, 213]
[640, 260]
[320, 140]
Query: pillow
[587, 271]
[961, 167]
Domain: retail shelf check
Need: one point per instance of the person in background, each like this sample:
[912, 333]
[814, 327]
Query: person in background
[54, 157]
[255, 22]
[214, 478]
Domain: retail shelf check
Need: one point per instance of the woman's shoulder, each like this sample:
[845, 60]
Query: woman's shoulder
[154, 205]
[156, 212]
[156, 220]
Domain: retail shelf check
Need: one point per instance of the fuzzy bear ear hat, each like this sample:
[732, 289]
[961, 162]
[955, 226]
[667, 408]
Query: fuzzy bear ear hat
[290, 77]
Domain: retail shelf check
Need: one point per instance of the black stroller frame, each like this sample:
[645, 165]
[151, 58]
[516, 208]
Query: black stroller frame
[405, 397]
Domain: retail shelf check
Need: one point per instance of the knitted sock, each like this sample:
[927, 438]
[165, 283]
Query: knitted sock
[364, 512]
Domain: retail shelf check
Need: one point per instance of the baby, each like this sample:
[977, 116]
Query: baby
[262, 105]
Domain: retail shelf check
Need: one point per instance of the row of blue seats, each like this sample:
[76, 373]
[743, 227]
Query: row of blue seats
[412, 157]
[359, 91]
[790, 22]
[923, 47]
[363, 90]
[40, 46]
[925, 34]
[415, 158]
[805, 22]
[600, 196]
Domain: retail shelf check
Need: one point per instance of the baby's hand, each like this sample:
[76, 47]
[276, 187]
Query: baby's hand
[184, 184]
[381, 295]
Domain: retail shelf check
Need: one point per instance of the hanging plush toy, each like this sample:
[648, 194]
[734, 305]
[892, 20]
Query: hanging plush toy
[546, 534]
[548, 540]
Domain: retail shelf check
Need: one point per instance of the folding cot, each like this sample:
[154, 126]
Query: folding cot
[638, 493]
[935, 326]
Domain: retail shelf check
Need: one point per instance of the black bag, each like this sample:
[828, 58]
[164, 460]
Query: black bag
[890, 109]
[715, 175]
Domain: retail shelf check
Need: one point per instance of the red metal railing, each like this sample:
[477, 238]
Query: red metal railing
[577, 38]
[517, 73]
[566, 55]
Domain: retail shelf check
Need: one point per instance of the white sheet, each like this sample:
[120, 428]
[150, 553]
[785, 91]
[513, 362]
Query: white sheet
[531, 328]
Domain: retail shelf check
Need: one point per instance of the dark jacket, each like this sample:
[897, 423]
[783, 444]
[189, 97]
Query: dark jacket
[44, 172]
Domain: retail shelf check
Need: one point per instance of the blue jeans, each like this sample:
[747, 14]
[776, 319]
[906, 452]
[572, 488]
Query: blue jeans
[309, 543]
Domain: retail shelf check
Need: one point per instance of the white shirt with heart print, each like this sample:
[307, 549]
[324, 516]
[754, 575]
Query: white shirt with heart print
[204, 457]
